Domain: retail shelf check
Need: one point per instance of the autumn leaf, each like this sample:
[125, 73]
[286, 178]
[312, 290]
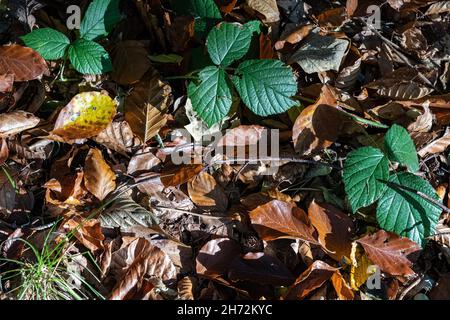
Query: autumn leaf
[86, 115]
[390, 252]
[278, 219]
[99, 179]
[205, 192]
[215, 257]
[22, 62]
[15, 122]
[88, 232]
[173, 176]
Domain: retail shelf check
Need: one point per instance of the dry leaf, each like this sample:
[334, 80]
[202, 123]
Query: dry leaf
[267, 8]
[173, 176]
[24, 63]
[437, 146]
[88, 232]
[146, 106]
[15, 122]
[205, 192]
[216, 256]
[6, 82]
[130, 61]
[119, 137]
[334, 227]
[390, 252]
[99, 179]
[278, 219]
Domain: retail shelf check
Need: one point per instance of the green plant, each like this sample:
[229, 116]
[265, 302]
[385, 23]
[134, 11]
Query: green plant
[264, 85]
[86, 56]
[47, 274]
[407, 204]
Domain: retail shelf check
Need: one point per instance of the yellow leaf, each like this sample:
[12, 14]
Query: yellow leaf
[86, 115]
[360, 267]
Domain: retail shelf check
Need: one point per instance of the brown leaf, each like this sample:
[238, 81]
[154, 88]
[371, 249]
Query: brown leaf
[216, 256]
[142, 162]
[351, 6]
[226, 6]
[4, 151]
[390, 252]
[6, 82]
[295, 36]
[266, 47]
[133, 262]
[314, 277]
[332, 18]
[267, 8]
[278, 219]
[343, 290]
[180, 31]
[8, 195]
[173, 176]
[88, 232]
[186, 288]
[16, 122]
[436, 146]
[309, 134]
[24, 63]
[438, 7]
[146, 106]
[66, 190]
[119, 137]
[99, 179]
[130, 61]
[205, 192]
[334, 227]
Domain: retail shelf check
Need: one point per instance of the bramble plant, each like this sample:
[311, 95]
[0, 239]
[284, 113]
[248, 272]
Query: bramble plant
[407, 204]
[86, 56]
[264, 85]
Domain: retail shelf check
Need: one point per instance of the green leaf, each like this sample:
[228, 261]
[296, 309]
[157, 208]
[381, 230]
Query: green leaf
[50, 44]
[100, 18]
[211, 97]
[89, 57]
[400, 147]
[266, 86]
[366, 171]
[228, 42]
[406, 213]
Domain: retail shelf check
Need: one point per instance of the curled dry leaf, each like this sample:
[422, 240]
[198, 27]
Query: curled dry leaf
[24, 63]
[15, 122]
[216, 256]
[278, 219]
[332, 18]
[334, 227]
[119, 137]
[267, 8]
[142, 162]
[436, 146]
[137, 260]
[99, 179]
[393, 254]
[205, 192]
[295, 36]
[186, 288]
[343, 290]
[88, 232]
[146, 106]
[359, 272]
[130, 61]
[86, 115]
[66, 190]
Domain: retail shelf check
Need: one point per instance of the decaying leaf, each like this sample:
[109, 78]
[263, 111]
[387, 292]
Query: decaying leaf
[15, 122]
[99, 179]
[173, 176]
[119, 137]
[267, 8]
[216, 256]
[205, 192]
[88, 232]
[130, 61]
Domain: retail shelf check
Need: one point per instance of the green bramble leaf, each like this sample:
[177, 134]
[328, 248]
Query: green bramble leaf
[88, 57]
[100, 18]
[266, 86]
[228, 42]
[211, 97]
[366, 171]
[50, 44]
[400, 147]
[405, 212]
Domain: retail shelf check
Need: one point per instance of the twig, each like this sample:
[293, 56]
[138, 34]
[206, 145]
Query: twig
[194, 214]
[274, 159]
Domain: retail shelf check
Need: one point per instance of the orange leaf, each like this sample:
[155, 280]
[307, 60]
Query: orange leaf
[173, 176]
[205, 192]
[99, 179]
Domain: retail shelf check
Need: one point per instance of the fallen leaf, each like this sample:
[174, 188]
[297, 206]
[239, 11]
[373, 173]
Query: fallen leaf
[146, 106]
[360, 267]
[278, 219]
[88, 232]
[216, 256]
[15, 122]
[334, 227]
[205, 192]
[297, 35]
[24, 63]
[86, 115]
[343, 290]
[438, 7]
[6, 82]
[436, 146]
[173, 176]
[99, 179]
[332, 18]
[267, 8]
[390, 252]
[312, 278]
[119, 137]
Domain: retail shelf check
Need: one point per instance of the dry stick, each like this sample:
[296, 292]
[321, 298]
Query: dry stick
[397, 50]
[194, 214]
[275, 159]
